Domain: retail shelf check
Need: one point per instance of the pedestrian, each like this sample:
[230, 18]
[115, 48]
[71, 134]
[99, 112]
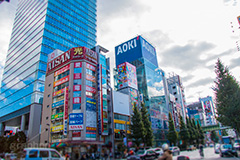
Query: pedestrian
[167, 154]
[201, 151]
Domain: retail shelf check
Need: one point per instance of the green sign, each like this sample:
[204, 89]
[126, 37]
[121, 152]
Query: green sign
[59, 115]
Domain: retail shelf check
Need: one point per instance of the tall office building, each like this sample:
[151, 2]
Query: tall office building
[150, 81]
[39, 28]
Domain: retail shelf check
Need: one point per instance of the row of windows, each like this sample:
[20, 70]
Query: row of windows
[121, 126]
[76, 19]
[121, 117]
[26, 48]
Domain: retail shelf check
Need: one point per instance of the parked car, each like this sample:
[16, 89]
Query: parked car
[227, 150]
[10, 156]
[144, 154]
[41, 153]
[217, 148]
[175, 150]
[158, 150]
[236, 145]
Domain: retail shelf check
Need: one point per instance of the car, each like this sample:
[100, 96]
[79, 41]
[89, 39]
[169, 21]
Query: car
[41, 153]
[227, 150]
[217, 148]
[175, 150]
[236, 145]
[144, 155]
[11, 156]
[158, 150]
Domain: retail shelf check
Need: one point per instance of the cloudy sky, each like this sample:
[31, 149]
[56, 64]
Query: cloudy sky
[189, 35]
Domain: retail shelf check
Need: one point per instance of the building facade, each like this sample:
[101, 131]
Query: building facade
[150, 81]
[39, 28]
[77, 104]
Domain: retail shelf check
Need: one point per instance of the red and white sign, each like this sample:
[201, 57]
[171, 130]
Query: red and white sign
[75, 127]
[58, 92]
[61, 81]
[91, 89]
[65, 111]
[90, 78]
[77, 88]
[76, 100]
[76, 134]
[77, 64]
[77, 76]
[64, 69]
[91, 67]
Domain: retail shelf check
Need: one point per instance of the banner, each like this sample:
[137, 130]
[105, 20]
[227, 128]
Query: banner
[65, 111]
[61, 81]
[91, 89]
[77, 76]
[57, 116]
[77, 64]
[91, 67]
[62, 70]
[57, 128]
[77, 88]
[76, 121]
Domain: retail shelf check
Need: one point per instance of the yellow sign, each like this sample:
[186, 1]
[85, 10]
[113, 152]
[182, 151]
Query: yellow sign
[78, 51]
[57, 128]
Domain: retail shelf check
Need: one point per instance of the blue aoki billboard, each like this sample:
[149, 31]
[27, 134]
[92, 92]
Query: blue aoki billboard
[133, 49]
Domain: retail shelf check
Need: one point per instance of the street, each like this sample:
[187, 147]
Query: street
[208, 152]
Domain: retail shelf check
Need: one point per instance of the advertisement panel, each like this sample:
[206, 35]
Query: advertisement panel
[61, 81]
[57, 116]
[77, 88]
[91, 89]
[65, 111]
[207, 107]
[100, 121]
[62, 70]
[57, 128]
[77, 76]
[91, 133]
[91, 114]
[76, 121]
[131, 75]
[72, 54]
[91, 67]
[90, 78]
[128, 51]
[122, 76]
[148, 51]
[77, 64]
[58, 92]
[59, 103]
[76, 100]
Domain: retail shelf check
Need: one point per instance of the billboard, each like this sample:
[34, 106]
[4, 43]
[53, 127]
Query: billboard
[126, 76]
[76, 53]
[134, 49]
[76, 121]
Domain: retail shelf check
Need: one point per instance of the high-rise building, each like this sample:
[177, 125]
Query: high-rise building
[39, 28]
[150, 81]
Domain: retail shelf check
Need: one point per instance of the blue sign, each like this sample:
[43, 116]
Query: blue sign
[59, 103]
[134, 49]
[76, 119]
[91, 104]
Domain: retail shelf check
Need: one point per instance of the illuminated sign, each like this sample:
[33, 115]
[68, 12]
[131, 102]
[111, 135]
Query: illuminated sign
[61, 81]
[57, 128]
[62, 70]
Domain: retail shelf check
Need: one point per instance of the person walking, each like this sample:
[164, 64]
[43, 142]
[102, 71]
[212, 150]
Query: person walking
[167, 154]
[201, 151]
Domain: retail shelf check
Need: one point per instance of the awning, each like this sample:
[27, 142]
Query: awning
[58, 144]
[83, 142]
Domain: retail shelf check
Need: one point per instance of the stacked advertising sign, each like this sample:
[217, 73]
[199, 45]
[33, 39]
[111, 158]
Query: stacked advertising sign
[126, 76]
[75, 121]
[65, 111]
[100, 121]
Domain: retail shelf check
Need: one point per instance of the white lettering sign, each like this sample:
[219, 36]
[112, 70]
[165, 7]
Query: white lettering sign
[127, 46]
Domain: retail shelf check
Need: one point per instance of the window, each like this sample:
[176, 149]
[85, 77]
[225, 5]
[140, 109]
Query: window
[175, 93]
[49, 85]
[174, 87]
[47, 106]
[55, 154]
[46, 141]
[49, 95]
[44, 154]
[33, 154]
[46, 117]
[76, 106]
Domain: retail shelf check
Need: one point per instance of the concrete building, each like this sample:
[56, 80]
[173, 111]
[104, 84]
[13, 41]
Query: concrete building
[77, 104]
[39, 28]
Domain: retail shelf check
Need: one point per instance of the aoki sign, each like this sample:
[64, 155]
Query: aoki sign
[127, 46]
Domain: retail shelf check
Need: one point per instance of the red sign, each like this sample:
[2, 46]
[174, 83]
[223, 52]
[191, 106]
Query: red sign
[75, 127]
[77, 88]
[61, 81]
[66, 104]
[90, 78]
[64, 69]
[77, 64]
[77, 76]
[76, 100]
[91, 67]
[91, 89]
[59, 61]
[76, 134]
[58, 92]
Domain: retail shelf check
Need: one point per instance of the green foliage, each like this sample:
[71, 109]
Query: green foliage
[190, 131]
[172, 133]
[183, 134]
[148, 132]
[227, 92]
[224, 132]
[136, 127]
[195, 130]
[214, 137]
[201, 133]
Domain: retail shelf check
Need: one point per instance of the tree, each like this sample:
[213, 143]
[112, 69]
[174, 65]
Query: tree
[148, 134]
[195, 131]
[190, 131]
[201, 133]
[227, 93]
[172, 133]
[183, 134]
[214, 137]
[136, 127]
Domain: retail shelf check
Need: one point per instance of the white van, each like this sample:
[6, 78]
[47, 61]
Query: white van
[41, 154]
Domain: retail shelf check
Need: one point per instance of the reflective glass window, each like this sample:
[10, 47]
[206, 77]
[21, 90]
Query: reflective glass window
[77, 94]
[76, 106]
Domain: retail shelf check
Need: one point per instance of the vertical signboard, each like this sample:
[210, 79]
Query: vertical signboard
[65, 111]
[100, 122]
[131, 75]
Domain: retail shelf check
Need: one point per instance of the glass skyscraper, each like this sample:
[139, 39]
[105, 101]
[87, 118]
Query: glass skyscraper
[40, 27]
[150, 79]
